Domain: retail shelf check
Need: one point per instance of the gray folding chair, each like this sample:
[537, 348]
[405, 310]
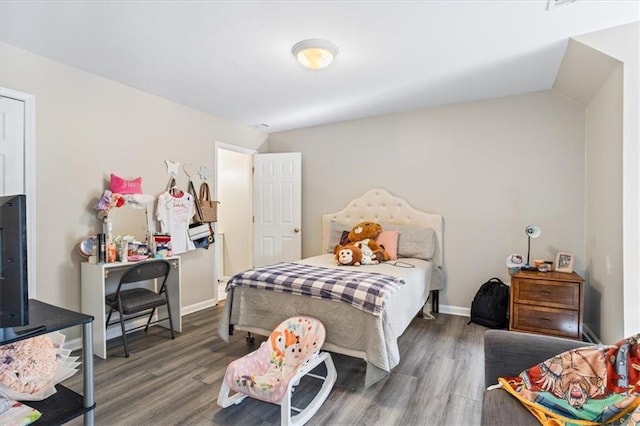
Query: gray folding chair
[135, 302]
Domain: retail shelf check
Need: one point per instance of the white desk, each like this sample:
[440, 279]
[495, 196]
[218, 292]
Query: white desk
[98, 280]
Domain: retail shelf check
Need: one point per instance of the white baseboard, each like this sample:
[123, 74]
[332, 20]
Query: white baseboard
[455, 310]
[186, 310]
[114, 330]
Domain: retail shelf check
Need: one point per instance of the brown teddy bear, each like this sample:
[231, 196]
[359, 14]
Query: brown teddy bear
[364, 235]
[348, 255]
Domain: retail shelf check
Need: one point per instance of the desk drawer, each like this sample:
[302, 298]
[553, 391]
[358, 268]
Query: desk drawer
[564, 295]
[557, 322]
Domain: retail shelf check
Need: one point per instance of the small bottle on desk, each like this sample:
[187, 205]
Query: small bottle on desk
[102, 248]
[111, 252]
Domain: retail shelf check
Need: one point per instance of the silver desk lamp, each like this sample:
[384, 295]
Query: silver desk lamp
[532, 231]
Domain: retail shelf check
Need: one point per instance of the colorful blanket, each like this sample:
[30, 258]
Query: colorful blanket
[367, 291]
[586, 386]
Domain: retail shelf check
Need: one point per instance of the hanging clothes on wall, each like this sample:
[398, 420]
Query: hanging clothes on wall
[174, 213]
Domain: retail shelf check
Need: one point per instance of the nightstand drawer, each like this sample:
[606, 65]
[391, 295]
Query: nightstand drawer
[546, 303]
[558, 322]
[554, 294]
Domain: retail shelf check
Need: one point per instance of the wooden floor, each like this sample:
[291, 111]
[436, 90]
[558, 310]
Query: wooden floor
[439, 380]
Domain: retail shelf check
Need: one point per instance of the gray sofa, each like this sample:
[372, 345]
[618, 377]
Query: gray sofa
[507, 353]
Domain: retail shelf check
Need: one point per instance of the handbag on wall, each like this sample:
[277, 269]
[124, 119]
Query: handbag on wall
[200, 232]
[208, 207]
[197, 231]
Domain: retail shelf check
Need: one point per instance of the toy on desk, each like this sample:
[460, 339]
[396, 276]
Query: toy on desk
[162, 244]
[87, 247]
[515, 262]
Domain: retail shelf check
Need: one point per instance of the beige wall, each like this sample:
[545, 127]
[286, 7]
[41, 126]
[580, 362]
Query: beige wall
[623, 44]
[603, 210]
[88, 127]
[490, 168]
[595, 80]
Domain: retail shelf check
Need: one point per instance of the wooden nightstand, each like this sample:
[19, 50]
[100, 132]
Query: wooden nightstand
[547, 303]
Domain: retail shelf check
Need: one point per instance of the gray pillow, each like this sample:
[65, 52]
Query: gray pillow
[419, 243]
[335, 234]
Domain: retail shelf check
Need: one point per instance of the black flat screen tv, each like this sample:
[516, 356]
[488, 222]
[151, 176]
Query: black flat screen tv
[14, 284]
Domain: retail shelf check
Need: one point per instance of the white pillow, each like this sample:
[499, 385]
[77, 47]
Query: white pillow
[335, 234]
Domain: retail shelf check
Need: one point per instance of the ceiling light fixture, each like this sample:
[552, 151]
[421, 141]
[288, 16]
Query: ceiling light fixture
[555, 3]
[315, 53]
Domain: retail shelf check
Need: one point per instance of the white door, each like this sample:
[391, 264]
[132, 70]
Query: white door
[277, 206]
[11, 146]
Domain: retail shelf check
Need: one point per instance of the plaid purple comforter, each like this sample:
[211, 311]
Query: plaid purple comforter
[367, 291]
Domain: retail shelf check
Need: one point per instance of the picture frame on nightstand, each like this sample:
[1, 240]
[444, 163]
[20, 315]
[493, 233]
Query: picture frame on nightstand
[564, 262]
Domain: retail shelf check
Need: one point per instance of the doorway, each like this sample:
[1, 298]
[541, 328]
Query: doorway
[234, 233]
[274, 189]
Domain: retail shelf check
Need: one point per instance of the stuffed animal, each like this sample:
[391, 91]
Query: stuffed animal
[364, 236]
[348, 255]
[368, 256]
[365, 230]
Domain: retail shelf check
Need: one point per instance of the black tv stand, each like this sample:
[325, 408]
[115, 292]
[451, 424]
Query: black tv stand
[20, 332]
[65, 404]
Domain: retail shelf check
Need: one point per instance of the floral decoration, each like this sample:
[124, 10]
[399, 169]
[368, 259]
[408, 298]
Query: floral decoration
[28, 365]
[108, 201]
[31, 368]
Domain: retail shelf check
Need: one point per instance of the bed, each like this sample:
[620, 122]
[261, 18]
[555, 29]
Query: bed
[352, 331]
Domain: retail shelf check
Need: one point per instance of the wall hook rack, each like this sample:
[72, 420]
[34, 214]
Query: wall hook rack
[204, 173]
[172, 167]
[186, 171]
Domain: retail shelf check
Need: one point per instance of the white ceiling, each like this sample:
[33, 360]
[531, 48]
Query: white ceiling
[233, 58]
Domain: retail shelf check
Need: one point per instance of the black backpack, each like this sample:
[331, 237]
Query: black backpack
[491, 304]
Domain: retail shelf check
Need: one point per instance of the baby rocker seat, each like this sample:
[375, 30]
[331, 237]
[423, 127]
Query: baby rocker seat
[271, 372]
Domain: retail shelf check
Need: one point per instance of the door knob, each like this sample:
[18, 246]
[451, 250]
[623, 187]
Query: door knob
[296, 230]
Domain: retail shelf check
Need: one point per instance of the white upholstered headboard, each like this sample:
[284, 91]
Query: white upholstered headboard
[378, 205]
